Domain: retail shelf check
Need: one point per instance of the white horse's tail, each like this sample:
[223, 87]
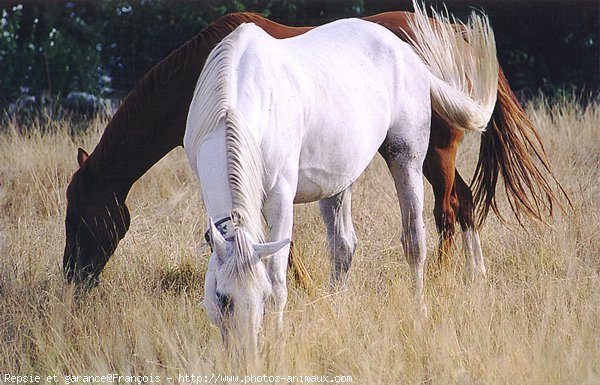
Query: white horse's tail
[463, 63]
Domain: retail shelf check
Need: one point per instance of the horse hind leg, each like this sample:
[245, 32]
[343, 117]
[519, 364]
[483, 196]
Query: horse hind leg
[341, 237]
[406, 169]
[474, 264]
[409, 188]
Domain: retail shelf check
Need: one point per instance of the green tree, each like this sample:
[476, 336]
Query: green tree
[48, 48]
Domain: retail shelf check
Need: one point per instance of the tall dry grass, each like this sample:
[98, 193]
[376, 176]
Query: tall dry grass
[535, 320]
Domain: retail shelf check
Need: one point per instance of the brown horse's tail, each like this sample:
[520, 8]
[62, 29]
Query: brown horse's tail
[512, 147]
[299, 271]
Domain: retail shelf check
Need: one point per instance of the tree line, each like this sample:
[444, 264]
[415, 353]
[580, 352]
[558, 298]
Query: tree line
[103, 48]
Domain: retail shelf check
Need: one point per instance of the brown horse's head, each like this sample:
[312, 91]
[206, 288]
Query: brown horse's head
[97, 219]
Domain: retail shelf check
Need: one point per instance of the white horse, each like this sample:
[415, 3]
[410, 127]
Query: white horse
[277, 122]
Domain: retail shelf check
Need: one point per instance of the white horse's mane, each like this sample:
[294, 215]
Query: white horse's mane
[244, 159]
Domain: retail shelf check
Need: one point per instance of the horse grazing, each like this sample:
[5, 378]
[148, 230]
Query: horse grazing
[151, 122]
[284, 121]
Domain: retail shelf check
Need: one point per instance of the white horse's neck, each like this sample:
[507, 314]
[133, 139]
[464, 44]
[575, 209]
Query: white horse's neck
[214, 180]
[221, 146]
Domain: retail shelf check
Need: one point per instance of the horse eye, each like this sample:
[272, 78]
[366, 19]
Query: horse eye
[225, 303]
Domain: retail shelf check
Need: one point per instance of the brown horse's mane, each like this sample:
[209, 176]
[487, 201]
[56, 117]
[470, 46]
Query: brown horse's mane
[160, 93]
[151, 84]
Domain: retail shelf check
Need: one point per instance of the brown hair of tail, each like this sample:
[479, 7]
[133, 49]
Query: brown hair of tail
[512, 147]
[299, 271]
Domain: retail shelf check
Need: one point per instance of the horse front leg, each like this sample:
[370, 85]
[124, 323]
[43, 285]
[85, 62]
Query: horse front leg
[409, 187]
[278, 209]
[437, 166]
[439, 169]
[336, 212]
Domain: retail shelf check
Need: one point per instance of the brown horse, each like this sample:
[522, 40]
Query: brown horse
[151, 122]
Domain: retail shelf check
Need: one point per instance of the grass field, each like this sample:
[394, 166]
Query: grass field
[535, 320]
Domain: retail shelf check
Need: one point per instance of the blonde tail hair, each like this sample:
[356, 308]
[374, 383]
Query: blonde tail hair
[462, 59]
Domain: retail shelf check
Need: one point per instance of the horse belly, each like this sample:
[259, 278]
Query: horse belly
[310, 188]
[335, 161]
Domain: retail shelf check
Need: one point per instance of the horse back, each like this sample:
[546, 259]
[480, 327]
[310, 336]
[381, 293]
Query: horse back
[338, 87]
[352, 56]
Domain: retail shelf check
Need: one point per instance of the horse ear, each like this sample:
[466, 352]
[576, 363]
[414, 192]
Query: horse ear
[81, 156]
[265, 250]
[217, 242]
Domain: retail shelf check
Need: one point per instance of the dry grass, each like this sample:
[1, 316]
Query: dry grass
[536, 320]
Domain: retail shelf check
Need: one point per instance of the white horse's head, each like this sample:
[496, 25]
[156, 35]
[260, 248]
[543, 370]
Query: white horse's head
[237, 284]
